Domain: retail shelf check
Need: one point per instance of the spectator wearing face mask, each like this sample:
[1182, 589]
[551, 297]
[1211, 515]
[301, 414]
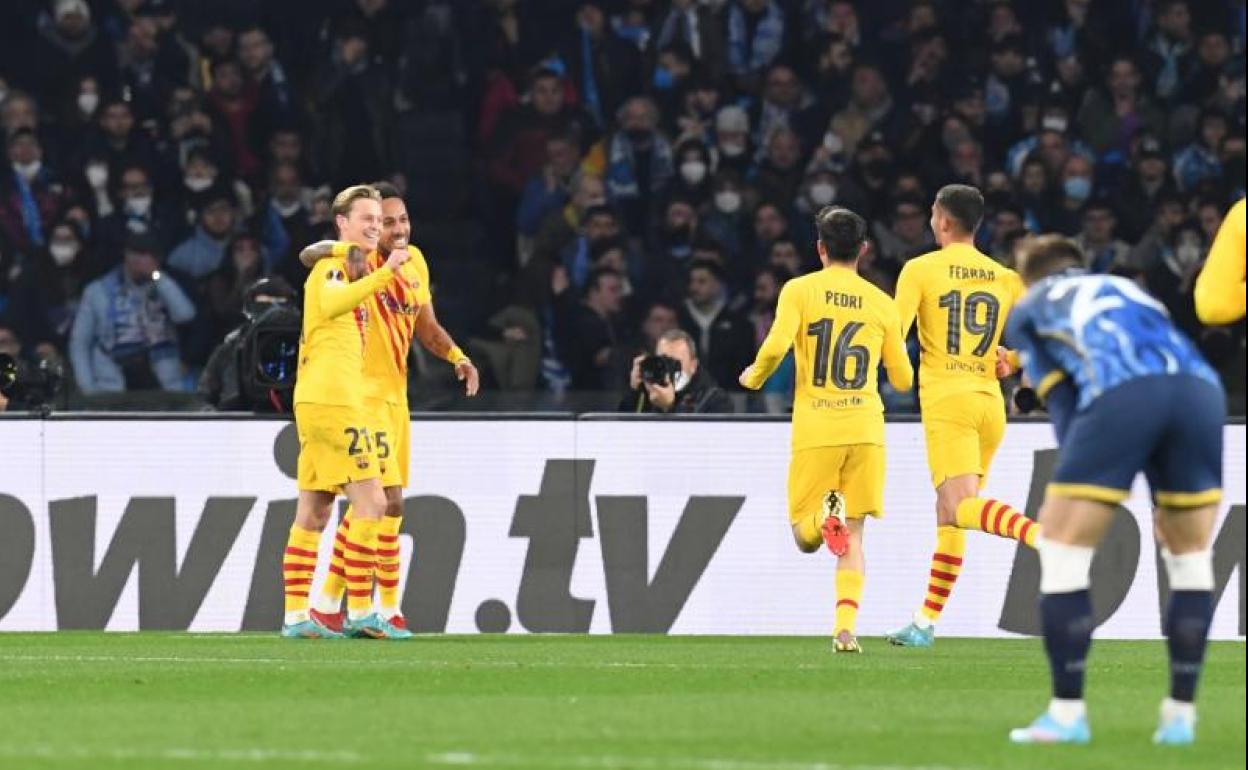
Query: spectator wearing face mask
[1077, 186]
[124, 335]
[693, 179]
[732, 141]
[31, 195]
[67, 44]
[47, 291]
[725, 217]
[284, 222]
[637, 162]
[137, 212]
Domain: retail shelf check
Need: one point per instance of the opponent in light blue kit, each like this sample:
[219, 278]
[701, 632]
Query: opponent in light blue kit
[1127, 392]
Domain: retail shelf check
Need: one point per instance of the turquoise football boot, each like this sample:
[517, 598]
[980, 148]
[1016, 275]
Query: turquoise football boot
[374, 626]
[308, 629]
[913, 636]
[1175, 731]
[1046, 729]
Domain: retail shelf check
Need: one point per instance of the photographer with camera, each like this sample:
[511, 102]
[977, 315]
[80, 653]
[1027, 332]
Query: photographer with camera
[253, 369]
[27, 382]
[670, 381]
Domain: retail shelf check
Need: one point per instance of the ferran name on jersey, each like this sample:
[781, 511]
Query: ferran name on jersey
[962, 273]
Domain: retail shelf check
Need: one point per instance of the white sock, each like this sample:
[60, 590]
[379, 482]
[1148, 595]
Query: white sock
[923, 621]
[1067, 712]
[1177, 709]
[389, 612]
[298, 616]
[359, 614]
[327, 605]
[1189, 571]
[1064, 569]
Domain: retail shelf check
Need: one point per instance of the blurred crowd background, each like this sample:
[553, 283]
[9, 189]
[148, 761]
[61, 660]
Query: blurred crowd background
[583, 176]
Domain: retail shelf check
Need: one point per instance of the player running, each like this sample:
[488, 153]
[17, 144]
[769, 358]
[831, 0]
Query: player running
[337, 451]
[1126, 392]
[961, 299]
[397, 312]
[839, 327]
[1220, 285]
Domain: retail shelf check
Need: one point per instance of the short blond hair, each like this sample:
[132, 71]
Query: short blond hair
[344, 200]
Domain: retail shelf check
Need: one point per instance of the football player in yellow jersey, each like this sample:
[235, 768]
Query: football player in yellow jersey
[397, 312]
[1220, 295]
[336, 438]
[961, 299]
[839, 327]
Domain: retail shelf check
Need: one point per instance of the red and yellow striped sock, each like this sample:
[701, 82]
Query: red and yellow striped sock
[946, 566]
[359, 561]
[388, 564]
[330, 598]
[997, 518]
[298, 565]
[849, 585]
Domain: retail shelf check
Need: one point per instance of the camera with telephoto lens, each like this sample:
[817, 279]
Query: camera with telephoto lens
[659, 370]
[35, 385]
[1026, 400]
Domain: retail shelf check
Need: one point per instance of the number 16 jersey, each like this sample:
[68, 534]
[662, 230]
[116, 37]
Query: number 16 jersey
[840, 327]
[961, 298]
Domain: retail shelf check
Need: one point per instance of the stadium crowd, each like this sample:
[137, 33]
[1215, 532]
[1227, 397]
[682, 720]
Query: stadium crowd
[588, 175]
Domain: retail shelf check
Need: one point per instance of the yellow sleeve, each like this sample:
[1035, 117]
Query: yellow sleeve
[338, 297]
[779, 339]
[417, 269]
[908, 296]
[896, 360]
[1220, 295]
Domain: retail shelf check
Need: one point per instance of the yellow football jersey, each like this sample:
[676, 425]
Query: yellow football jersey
[839, 326]
[331, 352]
[961, 298]
[1220, 295]
[392, 311]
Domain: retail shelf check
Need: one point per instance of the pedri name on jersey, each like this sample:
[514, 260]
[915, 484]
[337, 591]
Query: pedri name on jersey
[841, 299]
[962, 273]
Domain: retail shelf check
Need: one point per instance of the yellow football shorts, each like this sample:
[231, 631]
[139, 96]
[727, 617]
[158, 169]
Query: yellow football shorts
[392, 437]
[963, 432]
[855, 470]
[336, 447]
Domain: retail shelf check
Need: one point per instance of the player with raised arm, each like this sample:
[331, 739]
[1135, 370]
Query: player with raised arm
[839, 326]
[398, 311]
[336, 436]
[1127, 392]
[1220, 295]
[961, 299]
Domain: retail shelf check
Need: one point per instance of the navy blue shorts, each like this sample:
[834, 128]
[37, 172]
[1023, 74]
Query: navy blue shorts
[1168, 426]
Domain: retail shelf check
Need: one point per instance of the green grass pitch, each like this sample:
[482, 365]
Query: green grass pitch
[90, 700]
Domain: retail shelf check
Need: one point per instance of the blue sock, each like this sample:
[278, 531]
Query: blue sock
[1067, 620]
[1187, 630]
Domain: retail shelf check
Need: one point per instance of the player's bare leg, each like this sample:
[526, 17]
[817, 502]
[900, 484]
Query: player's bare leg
[312, 513]
[1072, 529]
[850, 577]
[1184, 535]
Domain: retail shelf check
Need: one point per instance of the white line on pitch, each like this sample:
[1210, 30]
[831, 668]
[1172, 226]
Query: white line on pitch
[444, 759]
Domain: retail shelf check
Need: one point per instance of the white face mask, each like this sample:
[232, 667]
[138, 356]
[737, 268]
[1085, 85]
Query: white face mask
[832, 141]
[87, 102]
[28, 170]
[732, 150]
[63, 253]
[728, 201]
[197, 183]
[97, 175]
[693, 171]
[822, 193]
[140, 205]
[680, 380]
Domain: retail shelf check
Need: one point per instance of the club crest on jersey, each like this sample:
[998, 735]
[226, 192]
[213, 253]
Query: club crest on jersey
[361, 462]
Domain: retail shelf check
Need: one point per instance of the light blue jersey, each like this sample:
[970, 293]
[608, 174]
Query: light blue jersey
[1099, 332]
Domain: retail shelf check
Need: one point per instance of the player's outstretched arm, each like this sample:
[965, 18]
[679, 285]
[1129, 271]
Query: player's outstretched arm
[437, 341]
[1220, 286]
[778, 341]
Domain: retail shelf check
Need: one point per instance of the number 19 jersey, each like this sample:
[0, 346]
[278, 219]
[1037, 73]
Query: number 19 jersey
[840, 327]
[961, 299]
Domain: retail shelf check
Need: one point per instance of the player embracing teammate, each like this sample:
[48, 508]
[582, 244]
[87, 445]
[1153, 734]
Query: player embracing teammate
[365, 298]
